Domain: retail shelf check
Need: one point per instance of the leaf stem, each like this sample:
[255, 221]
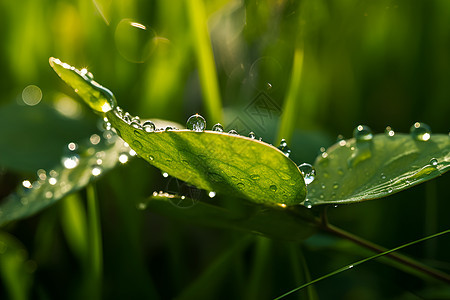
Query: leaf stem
[379, 249]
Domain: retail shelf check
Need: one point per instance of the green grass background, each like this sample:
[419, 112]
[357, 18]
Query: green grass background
[328, 66]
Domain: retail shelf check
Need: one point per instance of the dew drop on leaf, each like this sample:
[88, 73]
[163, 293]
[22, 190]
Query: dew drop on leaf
[251, 135]
[433, 162]
[148, 126]
[233, 132]
[254, 176]
[362, 133]
[217, 127]
[284, 148]
[308, 172]
[389, 131]
[273, 188]
[135, 124]
[307, 203]
[196, 123]
[420, 132]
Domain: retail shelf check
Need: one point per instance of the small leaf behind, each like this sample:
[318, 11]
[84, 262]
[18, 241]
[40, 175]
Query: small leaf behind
[354, 172]
[94, 161]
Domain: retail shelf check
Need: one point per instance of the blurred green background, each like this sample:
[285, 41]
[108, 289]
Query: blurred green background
[376, 63]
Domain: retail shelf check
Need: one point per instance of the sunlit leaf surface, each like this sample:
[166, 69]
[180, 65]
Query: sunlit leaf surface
[352, 171]
[210, 160]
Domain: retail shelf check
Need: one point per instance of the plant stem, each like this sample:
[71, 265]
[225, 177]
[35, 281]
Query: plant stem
[379, 249]
[95, 242]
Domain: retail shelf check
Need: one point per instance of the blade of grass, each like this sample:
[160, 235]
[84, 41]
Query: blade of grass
[205, 284]
[205, 59]
[261, 258]
[300, 271]
[74, 225]
[95, 242]
[348, 267]
[290, 109]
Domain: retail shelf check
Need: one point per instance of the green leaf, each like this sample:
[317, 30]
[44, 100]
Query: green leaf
[93, 160]
[357, 171]
[210, 160]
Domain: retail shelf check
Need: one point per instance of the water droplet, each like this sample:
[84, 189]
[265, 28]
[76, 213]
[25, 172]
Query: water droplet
[240, 185]
[26, 184]
[251, 135]
[119, 112]
[148, 126]
[196, 123]
[420, 132]
[42, 175]
[273, 188]
[335, 186]
[165, 174]
[284, 148]
[211, 194]
[134, 41]
[307, 203]
[340, 171]
[137, 144]
[95, 139]
[308, 172]
[383, 176]
[433, 162]
[72, 146]
[123, 158]
[233, 132]
[169, 128]
[362, 133]
[70, 162]
[132, 152]
[390, 190]
[218, 127]
[96, 171]
[127, 117]
[136, 125]
[254, 177]
[389, 131]
[150, 157]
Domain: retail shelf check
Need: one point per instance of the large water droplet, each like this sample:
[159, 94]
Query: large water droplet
[273, 188]
[251, 135]
[284, 148]
[196, 123]
[233, 132]
[420, 132]
[308, 172]
[433, 162]
[362, 133]
[148, 126]
[134, 41]
[218, 127]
